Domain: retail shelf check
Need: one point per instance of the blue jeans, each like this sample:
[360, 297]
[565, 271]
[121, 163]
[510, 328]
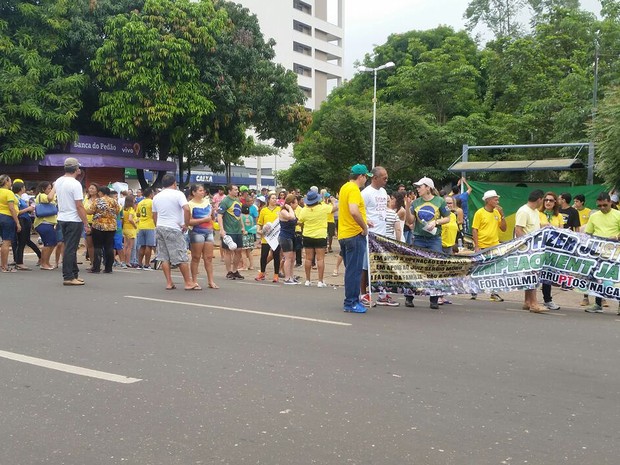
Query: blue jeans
[430, 243]
[353, 250]
[71, 232]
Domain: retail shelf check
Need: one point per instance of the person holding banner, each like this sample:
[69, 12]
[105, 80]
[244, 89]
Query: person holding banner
[528, 220]
[603, 223]
[428, 212]
[267, 215]
[352, 232]
[488, 222]
[550, 215]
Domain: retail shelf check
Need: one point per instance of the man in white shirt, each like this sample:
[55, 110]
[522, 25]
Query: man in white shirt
[376, 200]
[171, 217]
[71, 219]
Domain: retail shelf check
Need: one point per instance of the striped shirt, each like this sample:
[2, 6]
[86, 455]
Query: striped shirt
[391, 218]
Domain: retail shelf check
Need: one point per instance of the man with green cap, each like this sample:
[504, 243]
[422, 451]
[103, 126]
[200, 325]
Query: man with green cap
[352, 232]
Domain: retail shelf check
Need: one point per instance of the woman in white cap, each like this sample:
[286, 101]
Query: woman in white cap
[428, 212]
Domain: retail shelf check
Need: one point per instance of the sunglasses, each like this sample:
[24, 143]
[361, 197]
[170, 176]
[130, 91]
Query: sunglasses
[549, 200]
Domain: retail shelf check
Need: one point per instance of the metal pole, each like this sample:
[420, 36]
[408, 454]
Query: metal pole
[590, 178]
[374, 120]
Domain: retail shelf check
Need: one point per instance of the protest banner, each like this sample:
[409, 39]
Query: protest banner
[271, 233]
[560, 257]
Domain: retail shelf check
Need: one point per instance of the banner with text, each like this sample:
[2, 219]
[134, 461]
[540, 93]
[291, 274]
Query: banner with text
[554, 256]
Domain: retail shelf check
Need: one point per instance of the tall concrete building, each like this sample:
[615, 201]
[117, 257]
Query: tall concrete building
[309, 37]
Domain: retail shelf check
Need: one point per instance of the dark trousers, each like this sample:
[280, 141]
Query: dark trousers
[104, 243]
[71, 233]
[264, 253]
[353, 251]
[22, 239]
[298, 248]
[546, 291]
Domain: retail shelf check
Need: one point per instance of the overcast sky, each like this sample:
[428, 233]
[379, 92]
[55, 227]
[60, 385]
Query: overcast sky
[370, 22]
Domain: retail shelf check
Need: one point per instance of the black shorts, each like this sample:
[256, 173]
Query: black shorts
[331, 229]
[237, 238]
[311, 243]
[286, 245]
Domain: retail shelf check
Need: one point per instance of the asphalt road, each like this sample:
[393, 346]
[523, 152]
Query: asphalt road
[256, 373]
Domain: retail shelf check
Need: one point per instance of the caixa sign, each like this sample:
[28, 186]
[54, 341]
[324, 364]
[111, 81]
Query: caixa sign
[204, 178]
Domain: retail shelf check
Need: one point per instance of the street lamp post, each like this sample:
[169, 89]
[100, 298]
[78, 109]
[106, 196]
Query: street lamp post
[364, 69]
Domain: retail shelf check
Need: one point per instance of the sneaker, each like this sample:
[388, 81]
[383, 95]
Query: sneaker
[147, 268]
[551, 305]
[387, 301]
[473, 296]
[124, 266]
[230, 275]
[585, 301]
[276, 278]
[495, 297]
[260, 277]
[308, 284]
[358, 308]
[409, 303]
[594, 308]
[290, 282]
[238, 275]
[434, 305]
[366, 301]
[321, 284]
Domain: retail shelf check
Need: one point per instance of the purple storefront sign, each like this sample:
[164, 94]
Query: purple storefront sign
[93, 145]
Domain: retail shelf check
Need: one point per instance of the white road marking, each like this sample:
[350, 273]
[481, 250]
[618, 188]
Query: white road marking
[68, 368]
[241, 310]
[257, 284]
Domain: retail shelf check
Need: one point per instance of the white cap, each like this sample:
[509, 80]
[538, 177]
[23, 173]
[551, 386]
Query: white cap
[314, 189]
[489, 194]
[614, 198]
[426, 181]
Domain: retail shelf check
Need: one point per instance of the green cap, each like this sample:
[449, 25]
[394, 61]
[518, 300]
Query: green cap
[361, 169]
[243, 189]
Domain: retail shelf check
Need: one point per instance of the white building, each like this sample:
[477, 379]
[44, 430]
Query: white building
[309, 37]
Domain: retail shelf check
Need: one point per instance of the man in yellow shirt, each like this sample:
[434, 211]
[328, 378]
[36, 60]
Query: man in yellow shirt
[603, 223]
[352, 232]
[579, 202]
[485, 228]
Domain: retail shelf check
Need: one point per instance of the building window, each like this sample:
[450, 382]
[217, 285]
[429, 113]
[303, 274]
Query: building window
[302, 70]
[301, 27]
[302, 6]
[307, 91]
[301, 48]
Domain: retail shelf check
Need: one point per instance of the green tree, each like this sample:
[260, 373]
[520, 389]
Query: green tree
[500, 16]
[606, 132]
[38, 101]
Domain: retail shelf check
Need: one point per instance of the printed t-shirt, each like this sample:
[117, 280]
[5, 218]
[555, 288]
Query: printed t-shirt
[449, 231]
[168, 205]
[553, 220]
[145, 209]
[528, 219]
[584, 215]
[267, 216]
[347, 226]
[375, 201]
[487, 224]
[230, 209]
[314, 219]
[6, 197]
[570, 217]
[105, 214]
[426, 211]
[204, 210]
[68, 191]
[604, 224]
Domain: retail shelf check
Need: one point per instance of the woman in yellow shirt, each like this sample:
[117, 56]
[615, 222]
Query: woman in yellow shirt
[89, 199]
[550, 216]
[268, 214]
[9, 223]
[130, 229]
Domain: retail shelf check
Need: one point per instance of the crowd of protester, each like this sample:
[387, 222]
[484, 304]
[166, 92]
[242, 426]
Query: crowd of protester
[167, 228]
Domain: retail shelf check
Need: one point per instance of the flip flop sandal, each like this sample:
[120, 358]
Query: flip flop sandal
[8, 270]
[171, 288]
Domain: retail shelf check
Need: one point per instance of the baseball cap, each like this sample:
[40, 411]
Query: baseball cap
[489, 194]
[261, 198]
[361, 169]
[614, 197]
[243, 189]
[71, 162]
[425, 181]
[18, 180]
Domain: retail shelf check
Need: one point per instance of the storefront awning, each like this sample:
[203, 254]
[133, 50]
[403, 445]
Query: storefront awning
[109, 161]
[518, 165]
